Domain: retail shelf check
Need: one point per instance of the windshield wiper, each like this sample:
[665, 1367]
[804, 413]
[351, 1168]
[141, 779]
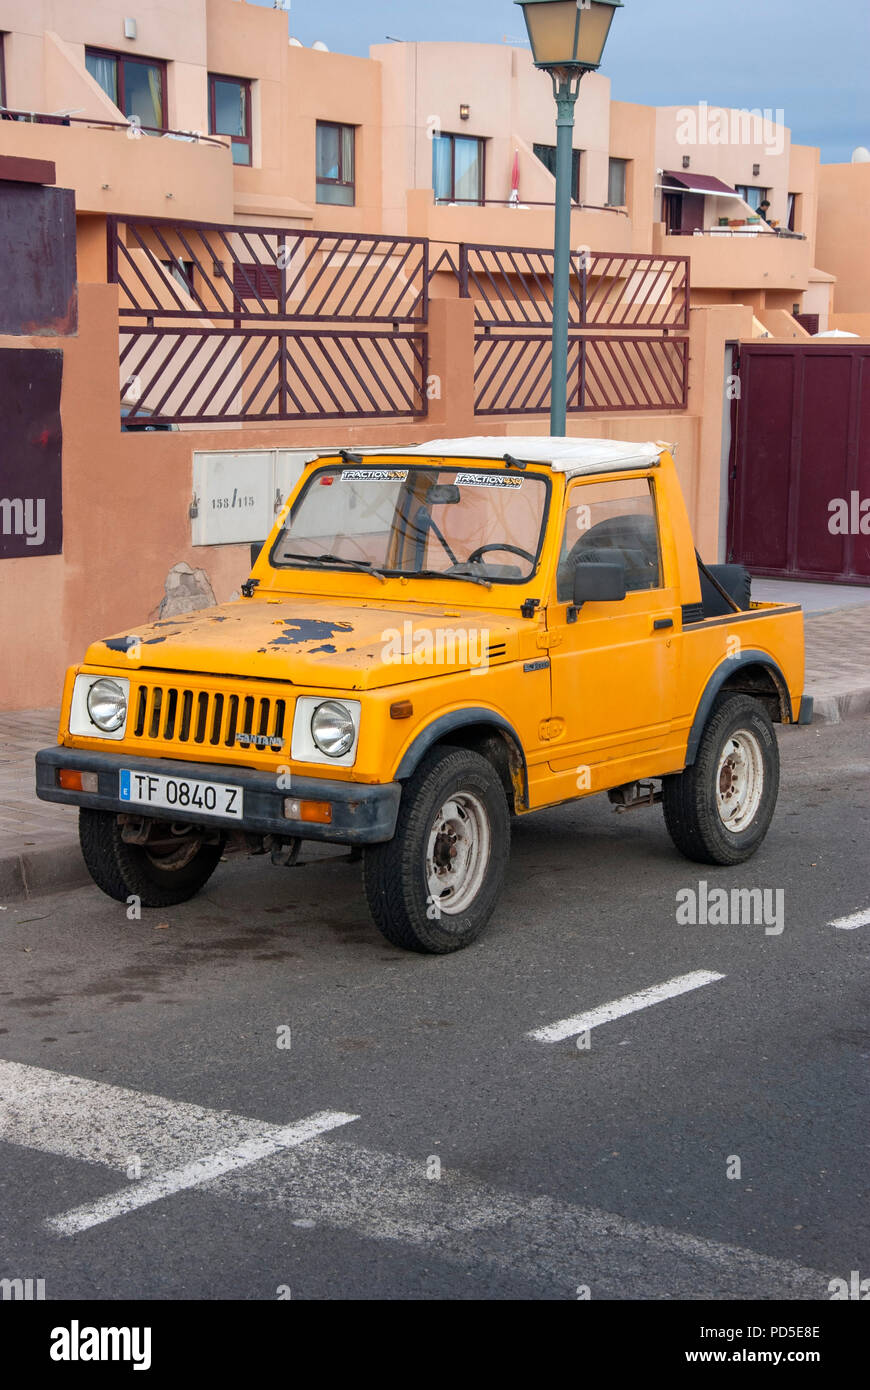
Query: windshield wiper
[441, 574]
[364, 566]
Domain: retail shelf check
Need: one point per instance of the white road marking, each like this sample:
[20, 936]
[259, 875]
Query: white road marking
[569, 1027]
[176, 1145]
[201, 1170]
[551, 1244]
[856, 919]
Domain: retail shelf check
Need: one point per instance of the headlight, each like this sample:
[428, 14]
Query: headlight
[107, 705]
[332, 728]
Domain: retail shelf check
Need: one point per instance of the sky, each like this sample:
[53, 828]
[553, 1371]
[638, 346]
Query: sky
[808, 58]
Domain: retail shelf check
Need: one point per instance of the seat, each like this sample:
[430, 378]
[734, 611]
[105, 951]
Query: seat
[735, 579]
[632, 538]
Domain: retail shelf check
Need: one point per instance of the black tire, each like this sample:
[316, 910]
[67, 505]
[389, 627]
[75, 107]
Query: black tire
[124, 871]
[394, 874]
[691, 799]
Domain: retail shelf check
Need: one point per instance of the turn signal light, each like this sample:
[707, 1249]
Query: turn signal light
[318, 812]
[73, 781]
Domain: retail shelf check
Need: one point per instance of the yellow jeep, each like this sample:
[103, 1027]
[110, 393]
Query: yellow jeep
[432, 640]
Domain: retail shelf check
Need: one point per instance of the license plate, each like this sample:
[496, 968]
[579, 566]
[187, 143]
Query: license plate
[182, 794]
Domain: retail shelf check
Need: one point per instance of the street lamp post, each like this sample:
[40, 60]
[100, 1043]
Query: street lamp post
[567, 39]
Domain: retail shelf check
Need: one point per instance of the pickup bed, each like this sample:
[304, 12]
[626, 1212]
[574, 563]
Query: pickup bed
[433, 640]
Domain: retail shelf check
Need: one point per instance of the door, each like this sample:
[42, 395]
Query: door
[613, 665]
[800, 482]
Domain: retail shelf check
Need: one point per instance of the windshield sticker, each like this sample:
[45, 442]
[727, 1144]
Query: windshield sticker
[487, 480]
[370, 475]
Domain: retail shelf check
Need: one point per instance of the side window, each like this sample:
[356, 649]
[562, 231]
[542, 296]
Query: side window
[608, 521]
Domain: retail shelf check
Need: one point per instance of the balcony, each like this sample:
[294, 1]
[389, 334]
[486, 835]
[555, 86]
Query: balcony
[523, 224]
[739, 258]
[114, 169]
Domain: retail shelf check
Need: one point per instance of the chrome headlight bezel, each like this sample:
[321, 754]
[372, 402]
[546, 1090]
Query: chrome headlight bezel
[305, 748]
[81, 721]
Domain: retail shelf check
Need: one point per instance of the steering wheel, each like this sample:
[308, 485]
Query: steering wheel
[499, 545]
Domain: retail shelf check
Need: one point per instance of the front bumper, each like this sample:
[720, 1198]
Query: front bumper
[361, 815]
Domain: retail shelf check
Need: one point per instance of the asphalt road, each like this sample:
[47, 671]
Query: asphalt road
[156, 1141]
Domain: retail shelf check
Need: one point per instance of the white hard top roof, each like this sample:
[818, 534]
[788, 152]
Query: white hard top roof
[570, 456]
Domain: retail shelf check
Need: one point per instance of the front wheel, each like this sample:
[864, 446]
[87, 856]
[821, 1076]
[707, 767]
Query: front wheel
[171, 867]
[434, 886]
[718, 810]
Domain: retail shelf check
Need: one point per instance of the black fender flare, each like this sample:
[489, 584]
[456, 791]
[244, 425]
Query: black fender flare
[715, 684]
[449, 723]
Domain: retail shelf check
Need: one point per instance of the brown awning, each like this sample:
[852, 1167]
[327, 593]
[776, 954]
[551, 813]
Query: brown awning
[700, 183]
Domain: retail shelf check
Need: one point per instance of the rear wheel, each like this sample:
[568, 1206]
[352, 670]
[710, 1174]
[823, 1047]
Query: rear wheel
[434, 886]
[171, 867]
[718, 810]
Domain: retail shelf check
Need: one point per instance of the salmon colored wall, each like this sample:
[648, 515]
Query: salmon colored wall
[852, 323]
[710, 330]
[844, 233]
[804, 178]
[633, 137]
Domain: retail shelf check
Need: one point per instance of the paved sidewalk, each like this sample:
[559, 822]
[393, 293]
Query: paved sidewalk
[39, 850]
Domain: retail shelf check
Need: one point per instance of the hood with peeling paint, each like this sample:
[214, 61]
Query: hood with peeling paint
[316, 641]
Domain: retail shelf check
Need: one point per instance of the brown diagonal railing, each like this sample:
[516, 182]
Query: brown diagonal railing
[226, 322]
[513, 287]
[634, 360]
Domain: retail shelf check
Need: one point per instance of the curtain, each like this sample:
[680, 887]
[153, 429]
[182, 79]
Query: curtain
[104, 71]
[469, 169]
[347, 153]
[442, 165]
[155, 88]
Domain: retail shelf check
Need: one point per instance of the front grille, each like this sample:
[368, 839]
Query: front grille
[178, 714]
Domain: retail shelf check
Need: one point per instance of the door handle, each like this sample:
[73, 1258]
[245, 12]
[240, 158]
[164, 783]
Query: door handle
[662, 623]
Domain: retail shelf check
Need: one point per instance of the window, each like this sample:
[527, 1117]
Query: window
[181, 272]
[616, 183]
[458, 168]
[137, 86]
[255, 281]
[750, 194]
[335, 163]
[607, 522]
[547, 155]
[426, 521]
[229, 113]
[2, 72]
[793, 209]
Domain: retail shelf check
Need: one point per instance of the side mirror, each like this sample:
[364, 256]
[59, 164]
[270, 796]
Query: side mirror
[599, 583]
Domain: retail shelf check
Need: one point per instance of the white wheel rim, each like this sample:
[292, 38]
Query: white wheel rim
[739, 781]
[458, 853]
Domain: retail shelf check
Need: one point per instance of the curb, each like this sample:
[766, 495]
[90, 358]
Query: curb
[52, 868]
[833, 709]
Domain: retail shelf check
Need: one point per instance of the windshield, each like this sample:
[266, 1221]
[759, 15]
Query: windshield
[484, 525]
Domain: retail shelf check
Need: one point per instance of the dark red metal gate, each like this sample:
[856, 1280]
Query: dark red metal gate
[799, 503]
